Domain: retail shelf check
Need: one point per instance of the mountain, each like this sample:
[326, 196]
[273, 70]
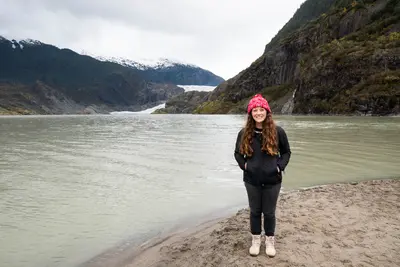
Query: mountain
[168, 71]
[332, 57]
[38, 78]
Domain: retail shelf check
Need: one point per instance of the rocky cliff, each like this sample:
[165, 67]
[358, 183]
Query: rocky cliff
[333, 57]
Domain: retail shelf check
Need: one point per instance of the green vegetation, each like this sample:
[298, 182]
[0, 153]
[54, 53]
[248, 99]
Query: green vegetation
[214, 107]
[346, 50]
[273, 93]
[16, 111]
[381, 90]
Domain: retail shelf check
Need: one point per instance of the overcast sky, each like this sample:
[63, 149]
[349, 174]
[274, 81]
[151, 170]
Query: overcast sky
[223, 36]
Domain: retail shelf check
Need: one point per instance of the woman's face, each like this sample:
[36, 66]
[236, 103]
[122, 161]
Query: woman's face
[259, 114]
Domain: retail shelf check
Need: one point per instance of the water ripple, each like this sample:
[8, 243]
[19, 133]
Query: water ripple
[72, 186]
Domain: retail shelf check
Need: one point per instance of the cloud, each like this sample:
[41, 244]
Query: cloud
[222, 36]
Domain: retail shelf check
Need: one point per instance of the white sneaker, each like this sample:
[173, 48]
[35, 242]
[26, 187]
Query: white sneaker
[270, 246]
[255, 245]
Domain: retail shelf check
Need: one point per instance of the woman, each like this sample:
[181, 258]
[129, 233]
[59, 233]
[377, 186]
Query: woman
[262, 151]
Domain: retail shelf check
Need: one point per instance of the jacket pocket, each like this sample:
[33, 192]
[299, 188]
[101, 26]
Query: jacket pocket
[279, 175]
[249, 166]
[251, 171]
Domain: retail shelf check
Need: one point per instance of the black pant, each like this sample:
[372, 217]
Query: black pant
[262, 200]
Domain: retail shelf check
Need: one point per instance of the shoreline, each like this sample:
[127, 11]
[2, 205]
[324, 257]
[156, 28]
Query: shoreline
[126, 252]
[350, 115]
[339, 222]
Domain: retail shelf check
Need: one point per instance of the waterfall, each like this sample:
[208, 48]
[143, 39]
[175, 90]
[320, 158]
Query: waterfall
[289, 105]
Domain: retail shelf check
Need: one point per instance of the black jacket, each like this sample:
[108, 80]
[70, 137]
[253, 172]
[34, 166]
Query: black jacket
[262, 167]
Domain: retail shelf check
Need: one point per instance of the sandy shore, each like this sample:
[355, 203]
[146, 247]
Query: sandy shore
[332, 225]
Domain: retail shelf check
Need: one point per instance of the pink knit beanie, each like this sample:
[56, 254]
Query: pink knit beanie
[258, 101]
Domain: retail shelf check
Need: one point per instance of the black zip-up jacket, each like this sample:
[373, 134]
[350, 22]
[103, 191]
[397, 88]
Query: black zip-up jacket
[261, 167]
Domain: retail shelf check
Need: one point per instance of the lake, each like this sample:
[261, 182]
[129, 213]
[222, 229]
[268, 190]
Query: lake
[72, 187]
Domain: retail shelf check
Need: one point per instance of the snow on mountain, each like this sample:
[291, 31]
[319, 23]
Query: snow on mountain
[29, 42]
[20, 43]
[206, 88]
[141, 63]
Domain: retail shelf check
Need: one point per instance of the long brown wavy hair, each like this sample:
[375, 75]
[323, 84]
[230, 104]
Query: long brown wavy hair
[269, 139]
